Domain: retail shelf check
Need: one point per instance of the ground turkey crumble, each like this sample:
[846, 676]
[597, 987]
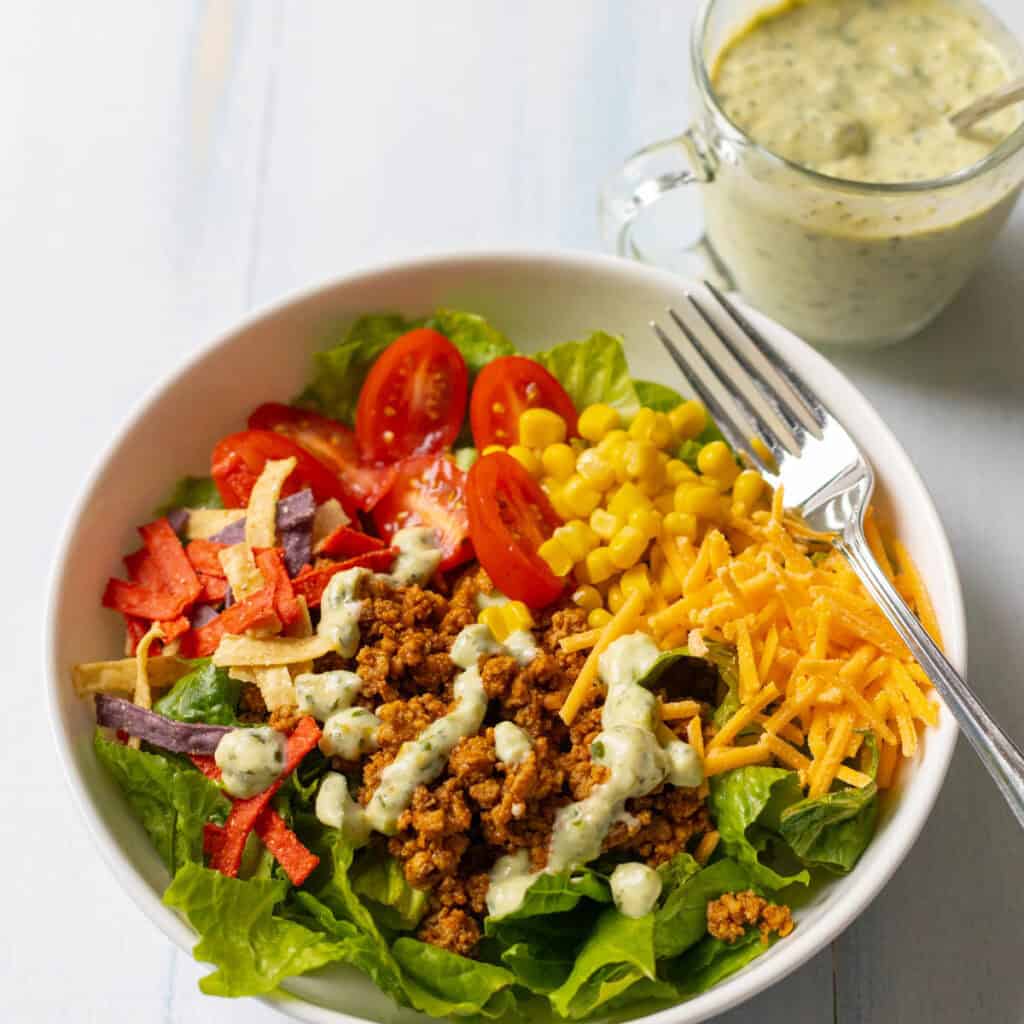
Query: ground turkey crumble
[732, 914]
[480, 808]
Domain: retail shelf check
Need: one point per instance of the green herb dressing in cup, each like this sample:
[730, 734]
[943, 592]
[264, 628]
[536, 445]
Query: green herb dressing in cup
[836, 195]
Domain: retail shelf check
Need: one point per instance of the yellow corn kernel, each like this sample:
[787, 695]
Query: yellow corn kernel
[747, 488]
[681, 524]
[492, 448]
[688, 419]
[616, 598]
[494, 619]
[559, 460]
[652, 426]
[526, 458]
[627, 498]
[662, 433]
[653, 483]
[663, 502]
[678, 472]
[540, 427]
[646, 520]
[670, 586]
[600, 566]
[577, 538]
[697, 499]
[580, 496]
[640, 459]
[605, 524]
[554, 553]
[595, 469]
[636, 579]
[517, 616]
[597, 420]
[587, 597]
[715, 460]
[626, 547]
[643, 422]
[762, 451]
[599, 618]
[553, 489]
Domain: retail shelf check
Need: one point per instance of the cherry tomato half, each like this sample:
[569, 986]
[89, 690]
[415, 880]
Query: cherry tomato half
[429, 491]
[238, 460]
[505, 389]
[509, 518]
[414, 398]
[333, 444]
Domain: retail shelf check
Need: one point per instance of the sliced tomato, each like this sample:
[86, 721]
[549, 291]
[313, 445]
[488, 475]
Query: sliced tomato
[505, 389]
[332, 443]
[413, 400]
[429, 491]
[509, 518]
[238, 460]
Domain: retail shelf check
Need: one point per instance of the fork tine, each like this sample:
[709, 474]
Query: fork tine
[779, 444]
[779, 406]
[725, 420]
[808, 402]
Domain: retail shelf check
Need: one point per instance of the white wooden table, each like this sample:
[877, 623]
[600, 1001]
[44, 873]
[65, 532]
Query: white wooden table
[168, 167]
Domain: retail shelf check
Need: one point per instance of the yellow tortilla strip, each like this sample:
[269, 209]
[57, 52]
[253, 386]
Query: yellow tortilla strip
[203, 523]
[245, 651]
[261, 515]
[240, 568]
[119, 677]
[327, 518]
[275, 684]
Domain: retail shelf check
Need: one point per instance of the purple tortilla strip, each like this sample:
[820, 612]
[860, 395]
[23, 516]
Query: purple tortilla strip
[298, 547]
[202, 614]
[178, 737]
[292, 512]
[178, 518]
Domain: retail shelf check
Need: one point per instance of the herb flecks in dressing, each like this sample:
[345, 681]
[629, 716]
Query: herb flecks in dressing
[863, 90]
[635, 888]
[250, 760]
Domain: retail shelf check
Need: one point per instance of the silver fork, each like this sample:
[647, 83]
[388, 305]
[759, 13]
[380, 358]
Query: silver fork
[751, 392]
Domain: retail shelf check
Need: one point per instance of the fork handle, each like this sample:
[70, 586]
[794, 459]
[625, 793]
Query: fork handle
[1000, 755]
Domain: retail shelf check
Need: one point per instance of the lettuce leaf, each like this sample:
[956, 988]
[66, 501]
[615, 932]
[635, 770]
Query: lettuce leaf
[442, 983]
[381, 882]
[681, 920]
[538, 966]
[173, 802]
[192, 492]
[833, 830]
[253, 949]
[593, 370]
[724, 658]
[618, 953]
[713, 960]
[746, 805]
[207, 694]
[657, 396]
[477, 340]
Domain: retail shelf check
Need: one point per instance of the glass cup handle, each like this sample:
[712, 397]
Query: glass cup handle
[646, 178]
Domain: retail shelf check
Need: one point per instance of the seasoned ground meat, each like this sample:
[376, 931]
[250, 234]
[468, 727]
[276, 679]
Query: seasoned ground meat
[480, 808]
[732, 914]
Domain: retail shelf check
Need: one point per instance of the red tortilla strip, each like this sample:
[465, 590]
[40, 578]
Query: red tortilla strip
[344, 542]
[215, 588]
[245, 813]
[144, 603]
[253, 611]
[165, 549]
[142, 568]
[311, 583]
[285, 845]
[204, 557]
[270, 562]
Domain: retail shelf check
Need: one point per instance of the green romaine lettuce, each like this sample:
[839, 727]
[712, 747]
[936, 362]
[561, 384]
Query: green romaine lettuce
[394, 902]
[746, 805]
[656, 396]
[253, 949]
[593, 370]
[477, 340]
[713, 960]
[192, 492]
[833, 830]
[618, 953]
[173, 802]
[207, 694]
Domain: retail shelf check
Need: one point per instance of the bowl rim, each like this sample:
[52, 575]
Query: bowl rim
[805, 942]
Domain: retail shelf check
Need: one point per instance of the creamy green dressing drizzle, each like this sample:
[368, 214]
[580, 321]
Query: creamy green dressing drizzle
[512, 745]
[250, 760]
[636, 761]
[635, 888]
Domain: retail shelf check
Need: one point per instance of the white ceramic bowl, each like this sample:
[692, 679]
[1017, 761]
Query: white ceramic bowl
[536, 299]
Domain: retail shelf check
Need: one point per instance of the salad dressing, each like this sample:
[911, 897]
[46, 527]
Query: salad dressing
[511, 744]
[418, 556]
[250, 760]
[635, 888]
